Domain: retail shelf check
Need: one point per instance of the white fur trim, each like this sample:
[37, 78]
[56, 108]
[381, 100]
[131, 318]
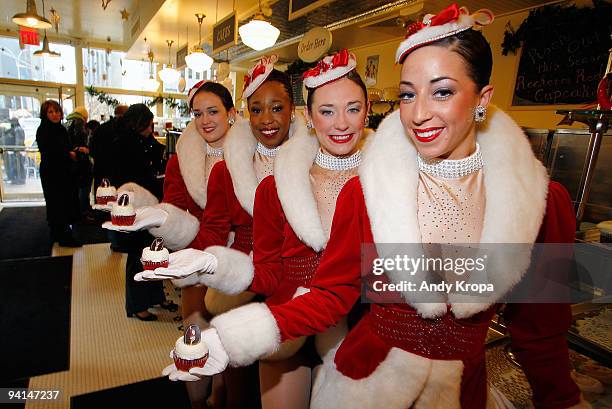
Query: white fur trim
[140, 196]
[179, 229]
[401, 380]
[234, 273]
[247, 333]
[217, 302]
[292, 176]
[240, 146]
[191, 152]
[516, 186]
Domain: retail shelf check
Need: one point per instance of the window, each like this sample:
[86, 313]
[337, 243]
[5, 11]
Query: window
[22, 65]
[101, 112]
[102, 68]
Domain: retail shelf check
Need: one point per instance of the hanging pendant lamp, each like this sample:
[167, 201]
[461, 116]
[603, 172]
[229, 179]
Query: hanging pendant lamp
[45, 51]
[31, 18]
[169, 75]
[150, 84]
[198, 60]
[258, 33]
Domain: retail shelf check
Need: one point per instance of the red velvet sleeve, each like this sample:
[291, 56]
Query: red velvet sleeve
[336, 285]
[268, 238]
[215, 223]
[175, 190]
[538, 330]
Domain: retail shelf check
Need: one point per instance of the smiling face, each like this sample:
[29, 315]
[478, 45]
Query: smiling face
[211, 117]
[270, 111]
[437, 101]
[53, 114]
[338, 115]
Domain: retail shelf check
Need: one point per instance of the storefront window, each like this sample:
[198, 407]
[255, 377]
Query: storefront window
[22, 65]
[102, 68]
[101, 112]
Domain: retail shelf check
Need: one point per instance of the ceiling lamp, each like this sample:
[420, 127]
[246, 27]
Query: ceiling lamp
[45, 51]
[150, 84]
[198, 60]
[31, 18]
[169, 75]
[258, 33]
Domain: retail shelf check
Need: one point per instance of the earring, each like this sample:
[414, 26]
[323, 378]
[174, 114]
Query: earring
[231, 121]
[480, 113]
[309, 124]
[292, 116]
[366, 122]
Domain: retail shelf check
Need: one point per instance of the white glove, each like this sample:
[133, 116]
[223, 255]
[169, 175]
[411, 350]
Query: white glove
[216, 363]
[182, 265]
[103, 207]
[146, 217]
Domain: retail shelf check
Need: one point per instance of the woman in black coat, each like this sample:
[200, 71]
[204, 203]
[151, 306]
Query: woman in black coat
[57, 174]
[138, 158]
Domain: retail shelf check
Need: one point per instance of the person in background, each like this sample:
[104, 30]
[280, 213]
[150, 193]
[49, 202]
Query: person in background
[14, 159]
[57, 174]
[91, 125]
[79, 141]
[138, 158]
[100, 146]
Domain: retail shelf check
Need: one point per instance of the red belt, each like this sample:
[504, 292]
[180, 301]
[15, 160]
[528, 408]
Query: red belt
[243, 238]
[441, 338]
[300, 270]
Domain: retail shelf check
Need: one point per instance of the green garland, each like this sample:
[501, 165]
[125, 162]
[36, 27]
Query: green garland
[547, 17]
[102, 97]
[170, 102]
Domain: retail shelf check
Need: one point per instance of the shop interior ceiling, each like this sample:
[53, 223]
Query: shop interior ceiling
[353, 23]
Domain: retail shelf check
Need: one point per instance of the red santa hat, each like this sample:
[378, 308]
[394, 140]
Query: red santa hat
[448, 22]
[258, 74]
[194, 90]
[329, 69]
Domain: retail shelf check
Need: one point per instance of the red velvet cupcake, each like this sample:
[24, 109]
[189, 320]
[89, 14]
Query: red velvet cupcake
[189, 350]
[156, 255]
[123, 213]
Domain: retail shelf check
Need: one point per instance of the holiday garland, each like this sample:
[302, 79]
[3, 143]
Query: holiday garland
[545, 18]
[170, 102]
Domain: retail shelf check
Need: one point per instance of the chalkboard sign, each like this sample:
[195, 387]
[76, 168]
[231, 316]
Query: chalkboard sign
[562, 62]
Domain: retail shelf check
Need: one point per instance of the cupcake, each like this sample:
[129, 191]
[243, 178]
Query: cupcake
[123, 213]
[105, 193]
[189, 350]
[156, 255]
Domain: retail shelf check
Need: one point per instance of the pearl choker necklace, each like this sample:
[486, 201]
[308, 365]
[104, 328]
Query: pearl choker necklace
[449, 168]
[214, 151]
[331, 162]
[267, 151]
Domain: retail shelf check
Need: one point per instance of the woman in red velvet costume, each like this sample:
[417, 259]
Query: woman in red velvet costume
[440, 154]
[293, 213]
[249, 155]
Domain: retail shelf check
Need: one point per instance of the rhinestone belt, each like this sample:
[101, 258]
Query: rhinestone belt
[243, 239]
[300, 270]
[441, 338]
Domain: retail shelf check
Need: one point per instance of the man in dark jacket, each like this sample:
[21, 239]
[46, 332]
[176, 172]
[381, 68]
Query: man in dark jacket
[100, 147]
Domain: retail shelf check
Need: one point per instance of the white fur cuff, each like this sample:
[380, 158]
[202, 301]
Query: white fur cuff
[141, 196]
[179, 229]
[234, 273]
[247, 333]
